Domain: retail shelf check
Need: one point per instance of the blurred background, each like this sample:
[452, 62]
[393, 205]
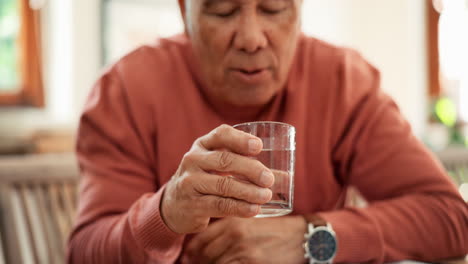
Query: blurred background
[52, 51]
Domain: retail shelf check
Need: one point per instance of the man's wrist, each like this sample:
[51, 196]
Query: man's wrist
[315, 219]
[320, 245]
[164, 209]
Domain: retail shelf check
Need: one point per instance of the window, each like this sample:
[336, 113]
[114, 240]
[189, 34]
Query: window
[20, 64]
[448, 44]
[448, 68]
[9, 25]
[453, 54]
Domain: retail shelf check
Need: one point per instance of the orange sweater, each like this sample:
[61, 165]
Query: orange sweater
[147, 109]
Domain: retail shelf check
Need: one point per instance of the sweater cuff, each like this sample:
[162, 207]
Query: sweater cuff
[359, 238]
[149, 228]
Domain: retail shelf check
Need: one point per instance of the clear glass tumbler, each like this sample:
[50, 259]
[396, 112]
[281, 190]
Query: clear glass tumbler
[278, 154]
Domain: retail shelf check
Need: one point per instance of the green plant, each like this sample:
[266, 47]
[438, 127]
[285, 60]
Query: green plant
[444, 111]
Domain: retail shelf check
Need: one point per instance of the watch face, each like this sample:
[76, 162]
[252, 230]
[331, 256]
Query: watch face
[322, 245]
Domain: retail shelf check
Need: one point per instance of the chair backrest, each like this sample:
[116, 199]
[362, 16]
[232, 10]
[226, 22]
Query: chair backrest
[38, 199]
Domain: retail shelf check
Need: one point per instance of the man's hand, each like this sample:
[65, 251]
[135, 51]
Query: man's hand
[236, 240]
[202, 187]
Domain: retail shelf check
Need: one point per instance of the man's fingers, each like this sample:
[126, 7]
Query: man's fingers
[222, 207]
[229, 187]
[227, 137]
[214, 249]
[197, 245]
[235, 164]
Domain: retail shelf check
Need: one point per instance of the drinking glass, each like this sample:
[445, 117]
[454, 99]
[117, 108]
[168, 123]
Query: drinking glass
[278, 155]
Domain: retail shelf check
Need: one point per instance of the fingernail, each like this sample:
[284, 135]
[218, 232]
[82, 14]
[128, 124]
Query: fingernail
[253, 208]
[267, 178]
[254, 145]
[265, 194]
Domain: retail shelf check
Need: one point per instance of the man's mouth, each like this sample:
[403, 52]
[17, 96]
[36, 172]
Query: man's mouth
[250, 72]
[252, 76]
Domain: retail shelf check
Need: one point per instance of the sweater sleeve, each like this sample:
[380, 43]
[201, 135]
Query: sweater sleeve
[119, 220]
[414, 211]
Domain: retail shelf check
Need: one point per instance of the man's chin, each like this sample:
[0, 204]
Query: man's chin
[251, 100]
[241, 95]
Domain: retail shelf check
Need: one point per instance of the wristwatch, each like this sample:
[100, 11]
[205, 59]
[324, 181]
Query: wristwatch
[320, 244]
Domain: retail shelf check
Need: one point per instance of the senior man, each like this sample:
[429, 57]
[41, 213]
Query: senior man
[155, 147]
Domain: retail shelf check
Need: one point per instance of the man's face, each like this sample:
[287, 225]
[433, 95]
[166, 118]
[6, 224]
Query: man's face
[244, 47]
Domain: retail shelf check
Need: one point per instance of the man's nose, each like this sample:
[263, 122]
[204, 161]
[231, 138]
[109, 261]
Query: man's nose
[250, 35]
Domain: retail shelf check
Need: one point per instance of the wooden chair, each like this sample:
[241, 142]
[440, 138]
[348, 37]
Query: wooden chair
[38, 198]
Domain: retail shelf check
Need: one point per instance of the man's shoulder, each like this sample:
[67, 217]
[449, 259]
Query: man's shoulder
[152, 71]
[159, 55]
[319, 46]
[336, 72]
[326, 54]
[322, 61]
[163, 48]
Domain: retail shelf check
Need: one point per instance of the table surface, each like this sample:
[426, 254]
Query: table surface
[452, 261]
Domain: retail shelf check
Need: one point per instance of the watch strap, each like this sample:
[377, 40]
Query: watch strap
[315, 220]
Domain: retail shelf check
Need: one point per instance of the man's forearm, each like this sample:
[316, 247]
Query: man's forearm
[132, 237]
[415, 227]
